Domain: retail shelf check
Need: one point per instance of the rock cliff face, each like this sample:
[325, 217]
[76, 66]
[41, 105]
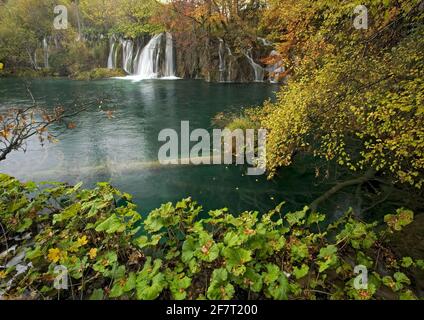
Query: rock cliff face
[213, 60]
[218, 61]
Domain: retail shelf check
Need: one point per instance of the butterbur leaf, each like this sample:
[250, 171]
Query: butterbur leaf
[188, 249]
[420, 264]
[25, 225]
[131, 282]
[315, 218]
[296, 218]
[272, 273]
[151, 289]
[236, 258]
[278, 290]
[407, 262]
[301, 272]
[208, 251]
[407, 295]
[117, 290]
[402, 278]
[150, 281]
[252, 280]
[328, 256]
[220, 288]
[97, 295]
[111, 225]
[232, 239]
[178, 286]
[401, 219]
[299, 251]
[67, 214]
[105, 263]
[364, 260]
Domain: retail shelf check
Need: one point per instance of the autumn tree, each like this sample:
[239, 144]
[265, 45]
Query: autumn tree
[19, 124]
[355, 98]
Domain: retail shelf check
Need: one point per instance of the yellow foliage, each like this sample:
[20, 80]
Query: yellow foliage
[82, 241]
[54, 255]
[92, 253]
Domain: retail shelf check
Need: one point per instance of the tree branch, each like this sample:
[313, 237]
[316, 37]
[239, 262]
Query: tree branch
[367, 176]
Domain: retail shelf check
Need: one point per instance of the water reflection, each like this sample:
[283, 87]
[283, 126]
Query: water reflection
[123, 148]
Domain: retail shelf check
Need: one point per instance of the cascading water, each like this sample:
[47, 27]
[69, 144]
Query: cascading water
[259, 71]
[46, 53]
[153, 61]
[147, 65]
[127, 55]
[156, 60]
[111, 62]
[230, 63]
[169, 57]
[265, 42]
[221, 61]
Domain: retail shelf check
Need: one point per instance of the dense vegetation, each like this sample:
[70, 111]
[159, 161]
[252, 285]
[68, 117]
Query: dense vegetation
[353, 98]
[178, 252]
[24, 24]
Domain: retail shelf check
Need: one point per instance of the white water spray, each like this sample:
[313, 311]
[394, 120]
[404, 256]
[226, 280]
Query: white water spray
[259, 71]
[46, 53]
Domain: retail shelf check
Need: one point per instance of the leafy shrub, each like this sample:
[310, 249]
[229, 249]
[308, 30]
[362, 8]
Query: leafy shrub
[243, 123]
[99, 73]
[111, 252]
[27, 73]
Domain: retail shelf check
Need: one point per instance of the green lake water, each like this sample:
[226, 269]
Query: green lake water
[124, 150]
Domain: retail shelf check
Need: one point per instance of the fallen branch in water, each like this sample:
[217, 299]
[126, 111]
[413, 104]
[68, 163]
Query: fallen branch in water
[353, 182]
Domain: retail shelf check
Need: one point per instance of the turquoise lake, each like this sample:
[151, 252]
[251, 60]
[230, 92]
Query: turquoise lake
[124, 149]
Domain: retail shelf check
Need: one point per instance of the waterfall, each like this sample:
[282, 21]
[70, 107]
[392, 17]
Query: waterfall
[152, 63]
[147, 64]
[137, 55]
[46, 53]
[169, 56]
[265, 42]
[127, 55]
[259, 71]
[111, 60]
[154, 60]
[221, 61]
[230, 63]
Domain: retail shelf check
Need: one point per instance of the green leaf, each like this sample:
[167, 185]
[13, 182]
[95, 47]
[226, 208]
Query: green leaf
[67, 214]
[328, 256]
[178, 286]
[117, 290]
[296, 218]
[407, 262]
[315, 218]
[220, 288]
[272, 273]
[279, 290]
[402, 278]
[131, 282]
[111, 225]
[24, 226]
[407, 295]
[302, 272]
[236, 258]
[299, 251]
[97, 295]
[400, 220]
[189, 248]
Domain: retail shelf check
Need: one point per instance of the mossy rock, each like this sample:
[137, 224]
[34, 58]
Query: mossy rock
[99, 73]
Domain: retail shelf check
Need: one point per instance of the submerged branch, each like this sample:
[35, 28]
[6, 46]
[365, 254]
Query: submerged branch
[366, 177]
